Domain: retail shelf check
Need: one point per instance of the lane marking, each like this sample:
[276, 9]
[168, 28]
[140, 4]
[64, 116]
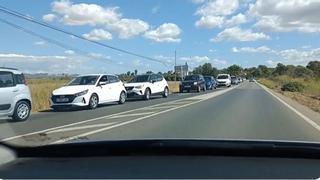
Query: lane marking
[159, 107]
[102, 117]
[305, 118]
[80, 127]
[130, 115]
[138, 119]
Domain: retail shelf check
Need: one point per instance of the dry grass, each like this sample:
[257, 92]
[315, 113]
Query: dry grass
[41, 90]
[309, 97]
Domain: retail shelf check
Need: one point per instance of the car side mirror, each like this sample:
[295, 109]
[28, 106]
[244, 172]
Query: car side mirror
[153, 81]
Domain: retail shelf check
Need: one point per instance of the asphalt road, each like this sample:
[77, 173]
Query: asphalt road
[245, 111]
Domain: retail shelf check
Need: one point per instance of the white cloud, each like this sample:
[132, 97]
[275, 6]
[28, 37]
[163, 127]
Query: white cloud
[95, 15]
[218, 7]
[69, 52]
[167, 32]
[261, 49]
[237, 34]
[196, 60]
[287, 15]
[236, 20]
[98, 35]
[48, 17]
[210, 22]
[295, 56]
[85, 14]
[127, 28]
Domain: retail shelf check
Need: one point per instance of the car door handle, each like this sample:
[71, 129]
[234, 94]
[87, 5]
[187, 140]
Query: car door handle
[16, 90]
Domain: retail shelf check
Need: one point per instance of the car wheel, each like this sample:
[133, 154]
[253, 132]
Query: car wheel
[188, 90]
[122, 98]
[204, 88]
[147, 94]
[215, 87]
[21, 111]
[93, 101]
[165, 92]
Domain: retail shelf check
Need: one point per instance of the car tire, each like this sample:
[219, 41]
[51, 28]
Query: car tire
[204, 88]
[93, 101]
[122, 98]
[147, 94]
[165, 93]
[21, 111]
[215, 87]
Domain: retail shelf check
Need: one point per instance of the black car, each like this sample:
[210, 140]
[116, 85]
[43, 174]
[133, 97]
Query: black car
[210, 82]
[193, 82]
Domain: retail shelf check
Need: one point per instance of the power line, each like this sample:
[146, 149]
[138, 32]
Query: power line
[30, 19]
[57, 43]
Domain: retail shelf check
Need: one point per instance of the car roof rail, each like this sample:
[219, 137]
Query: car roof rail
[8, 68]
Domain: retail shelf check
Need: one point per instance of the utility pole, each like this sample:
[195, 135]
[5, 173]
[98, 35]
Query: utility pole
[175, 64]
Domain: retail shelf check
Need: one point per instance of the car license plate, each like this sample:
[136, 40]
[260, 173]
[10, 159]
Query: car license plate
[62, 99]
[187, 86]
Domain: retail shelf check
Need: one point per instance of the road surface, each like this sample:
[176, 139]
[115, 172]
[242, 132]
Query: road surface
[245, 111]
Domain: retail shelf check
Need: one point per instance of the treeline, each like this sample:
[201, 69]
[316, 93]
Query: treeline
[261, 71]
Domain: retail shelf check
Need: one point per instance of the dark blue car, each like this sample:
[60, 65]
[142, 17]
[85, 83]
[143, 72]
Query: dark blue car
[210, 82]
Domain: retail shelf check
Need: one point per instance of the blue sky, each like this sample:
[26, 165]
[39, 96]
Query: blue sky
[222, 32]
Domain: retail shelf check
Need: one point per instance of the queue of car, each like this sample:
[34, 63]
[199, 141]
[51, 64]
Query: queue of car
[95, 89]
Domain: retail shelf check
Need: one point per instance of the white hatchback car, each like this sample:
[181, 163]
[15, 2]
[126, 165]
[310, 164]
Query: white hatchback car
[224, 80]
[15, 98]
[147, 85]
[89, 91]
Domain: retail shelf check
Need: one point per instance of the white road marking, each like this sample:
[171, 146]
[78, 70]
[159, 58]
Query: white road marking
[159, 107]
[215, 93]
[130, 115]
[308, 120]
[81, 127]
[138, 119]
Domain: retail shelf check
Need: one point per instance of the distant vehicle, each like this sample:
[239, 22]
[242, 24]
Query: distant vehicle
[146, 85]
[251, 80]
[89, 91]
[210, 82]
[240, 79]
[193, 82]
[15, 98]
[224, 80]
[234, 80]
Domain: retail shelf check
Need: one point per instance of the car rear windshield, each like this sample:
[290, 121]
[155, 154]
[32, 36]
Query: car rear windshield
[141, 78]
[233, 77]
[192, 78]
[84, 80]
[222, 77]
[206, 78]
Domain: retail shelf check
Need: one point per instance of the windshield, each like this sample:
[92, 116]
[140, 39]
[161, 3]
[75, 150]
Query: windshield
[84, 80]
[191, 78]
[134, 70]
[222, 77]
[141, 78]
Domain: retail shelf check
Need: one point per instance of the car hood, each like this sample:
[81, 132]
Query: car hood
[134, 84]
[68, 90]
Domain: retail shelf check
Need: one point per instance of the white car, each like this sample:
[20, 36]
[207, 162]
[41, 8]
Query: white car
[224, 80]
[89, 91]
[15, 98]
[147, 85]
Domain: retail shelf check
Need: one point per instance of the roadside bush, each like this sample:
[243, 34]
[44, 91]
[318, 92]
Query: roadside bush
[293, 87]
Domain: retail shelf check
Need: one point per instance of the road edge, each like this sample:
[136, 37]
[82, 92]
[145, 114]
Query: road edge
[289, 105]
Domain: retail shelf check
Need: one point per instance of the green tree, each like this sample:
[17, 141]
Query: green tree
[264, 71]
[234, 70]
[281, 69]
[315, 67]
[301, 71]
[135, 72]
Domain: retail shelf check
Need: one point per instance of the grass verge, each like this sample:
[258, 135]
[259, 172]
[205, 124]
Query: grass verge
[309, 96]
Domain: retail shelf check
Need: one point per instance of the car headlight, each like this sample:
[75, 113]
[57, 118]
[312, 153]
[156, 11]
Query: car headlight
[195, 83]
[81, 93]
[138, 87]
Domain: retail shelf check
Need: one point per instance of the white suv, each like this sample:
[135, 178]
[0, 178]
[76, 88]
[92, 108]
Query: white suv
[224, 80]
[15, 98]
[89, 91]
[147, 85]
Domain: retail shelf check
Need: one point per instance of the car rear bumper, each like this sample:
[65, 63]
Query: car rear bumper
[188, 87]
